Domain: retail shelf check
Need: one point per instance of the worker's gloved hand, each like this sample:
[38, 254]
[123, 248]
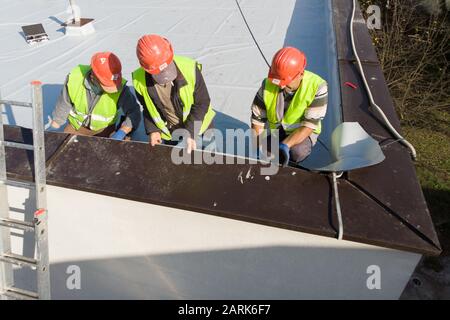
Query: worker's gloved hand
[284, 154]
[264, 154]
[119, 135]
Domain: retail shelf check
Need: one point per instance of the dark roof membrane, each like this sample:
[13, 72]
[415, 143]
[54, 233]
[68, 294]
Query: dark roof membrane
[293, 199]
[382, 205]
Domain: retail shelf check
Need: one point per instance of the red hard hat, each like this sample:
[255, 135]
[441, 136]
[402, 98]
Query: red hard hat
[108, 69]
[287, 63]
[154, 52]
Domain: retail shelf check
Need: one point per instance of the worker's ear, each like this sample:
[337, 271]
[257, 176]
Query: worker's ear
[94, 79]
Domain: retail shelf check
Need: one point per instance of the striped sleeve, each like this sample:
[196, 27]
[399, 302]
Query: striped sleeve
[316, 111]
[259, 115]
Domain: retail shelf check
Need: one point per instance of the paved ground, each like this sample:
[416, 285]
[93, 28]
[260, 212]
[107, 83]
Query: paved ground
[431, 279]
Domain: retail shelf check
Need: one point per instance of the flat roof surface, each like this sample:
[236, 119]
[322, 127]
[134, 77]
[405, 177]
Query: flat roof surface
[213, 32]
[381, 205]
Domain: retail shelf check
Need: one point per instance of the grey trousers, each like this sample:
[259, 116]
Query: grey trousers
[298, 152]
[301, 151]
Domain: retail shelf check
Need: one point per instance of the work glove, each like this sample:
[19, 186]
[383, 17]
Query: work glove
[119, 135]
[284, 154]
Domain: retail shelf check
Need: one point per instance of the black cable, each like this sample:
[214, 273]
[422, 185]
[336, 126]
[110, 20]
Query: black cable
[262, 54]
[251, 33]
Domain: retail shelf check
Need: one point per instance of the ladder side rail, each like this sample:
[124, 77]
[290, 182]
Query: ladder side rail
[6, 271]
[40, 218]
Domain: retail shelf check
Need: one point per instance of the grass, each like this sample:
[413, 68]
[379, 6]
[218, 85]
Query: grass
[432, 143]
[414, 53]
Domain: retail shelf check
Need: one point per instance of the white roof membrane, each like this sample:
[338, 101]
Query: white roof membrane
[211, 31]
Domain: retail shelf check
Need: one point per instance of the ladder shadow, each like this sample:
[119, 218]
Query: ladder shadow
[25, 240]
[8, 112]
[50, 94]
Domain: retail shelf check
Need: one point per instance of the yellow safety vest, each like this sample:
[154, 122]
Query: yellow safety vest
[303, 98]
[103, 114]
[187, 67]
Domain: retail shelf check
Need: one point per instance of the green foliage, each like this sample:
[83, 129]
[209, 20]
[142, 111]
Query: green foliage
[414, 51]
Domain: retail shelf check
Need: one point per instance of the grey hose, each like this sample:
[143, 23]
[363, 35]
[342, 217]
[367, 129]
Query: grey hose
[338, 207]
[369, 93]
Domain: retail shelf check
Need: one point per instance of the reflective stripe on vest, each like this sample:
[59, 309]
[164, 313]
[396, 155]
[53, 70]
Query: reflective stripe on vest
[303, 98]
[187, 67]
[103, 114]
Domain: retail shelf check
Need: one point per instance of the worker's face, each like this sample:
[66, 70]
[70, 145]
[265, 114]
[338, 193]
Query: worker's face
[294, 84]
[104, 88]
[109, 89]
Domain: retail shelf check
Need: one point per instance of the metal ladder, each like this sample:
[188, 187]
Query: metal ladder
[39, 223]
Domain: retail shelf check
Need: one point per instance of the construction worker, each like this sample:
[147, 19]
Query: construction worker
[292, 100]
[172, 91]
[92, 97]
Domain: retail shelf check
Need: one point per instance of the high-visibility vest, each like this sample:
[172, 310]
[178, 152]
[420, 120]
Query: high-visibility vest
[104, 112]
[303, 98]
[187, 67]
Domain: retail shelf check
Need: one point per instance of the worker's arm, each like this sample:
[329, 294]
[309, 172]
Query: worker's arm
[259, 115]
[314, 114]
[258, 122]
[297, 136]
[200, 106]
[127, 102]
[153, 132]
[149, 124]
[317, 110]
[62, 107]
[257, 129]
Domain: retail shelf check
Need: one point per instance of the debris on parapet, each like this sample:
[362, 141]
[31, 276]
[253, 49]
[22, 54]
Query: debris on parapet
[241, 180]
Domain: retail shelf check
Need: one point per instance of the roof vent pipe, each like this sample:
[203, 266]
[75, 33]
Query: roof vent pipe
[75, 11]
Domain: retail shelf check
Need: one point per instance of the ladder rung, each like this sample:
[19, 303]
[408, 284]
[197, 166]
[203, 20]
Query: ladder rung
[20, 294]
[18, 260]
[19, 184]
[16, 103]
[12, 223]
[18, 145]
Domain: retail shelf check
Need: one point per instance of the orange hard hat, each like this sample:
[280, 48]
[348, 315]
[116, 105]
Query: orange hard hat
[154, 52]
[108, 69]
[287, 63]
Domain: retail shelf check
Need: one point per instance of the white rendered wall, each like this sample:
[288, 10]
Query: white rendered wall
[128, 250]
